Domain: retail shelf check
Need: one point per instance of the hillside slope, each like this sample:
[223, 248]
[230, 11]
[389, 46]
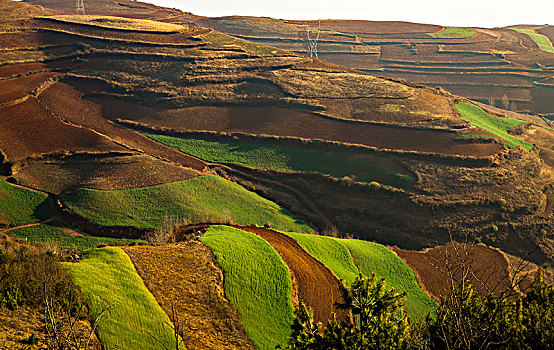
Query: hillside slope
[99, 83]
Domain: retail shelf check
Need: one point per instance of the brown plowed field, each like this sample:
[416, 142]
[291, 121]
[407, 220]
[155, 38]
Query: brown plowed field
[13, 89]
[102, 173]
[285, 122]
[317, 287]
[65, 100]
[33, 39]
[27, 129]
[185, 276]
[489, 265]
[9, 70]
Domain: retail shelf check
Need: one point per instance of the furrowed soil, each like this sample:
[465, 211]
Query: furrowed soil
[185, 276]
[283, 122]
[66, 100]
[316, 285]
[430, 266]
[27, 129]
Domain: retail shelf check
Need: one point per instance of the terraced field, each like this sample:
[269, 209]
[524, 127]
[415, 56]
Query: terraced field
[202, 199]
[314, 284]
[497, 126]
[58, 235]
[543, 41]
[186, 277]
[134, 313]
[19, 206]
[257, 284]
[454, 33]
[345, 257]
[266, 155]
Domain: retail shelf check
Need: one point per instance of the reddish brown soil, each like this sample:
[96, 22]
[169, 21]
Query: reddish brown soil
[317, 287]
[65, 100]
[9, 70]
[430, 267]
[284, 122]
[97, 172]
[33, 39]
[185, 276]
[27, 129]
[348, 26]
[13, 89]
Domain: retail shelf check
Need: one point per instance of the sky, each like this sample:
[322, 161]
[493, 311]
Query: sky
[475, 13]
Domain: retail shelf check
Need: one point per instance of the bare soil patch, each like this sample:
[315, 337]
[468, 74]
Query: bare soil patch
[13, 89]
[185, 276]
[97, 171]
[27, 129]
[489, 265]
[317, 287]
[66, 100]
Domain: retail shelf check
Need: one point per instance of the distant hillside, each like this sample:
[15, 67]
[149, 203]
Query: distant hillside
[510, 68]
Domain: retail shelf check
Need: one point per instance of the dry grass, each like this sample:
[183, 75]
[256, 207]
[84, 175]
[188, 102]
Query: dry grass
[112, 22]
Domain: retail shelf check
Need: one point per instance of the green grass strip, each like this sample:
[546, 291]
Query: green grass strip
[375, 258]
[58, 235]
[19, 206]
[201, 199]
[331, 253]
[265, 155]
[107, 277]
[454, 33]
[339, 256]
[542, 41]
[497, 126]
[257, 284]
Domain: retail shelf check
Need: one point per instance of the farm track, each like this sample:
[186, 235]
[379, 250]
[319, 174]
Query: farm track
[317, 287]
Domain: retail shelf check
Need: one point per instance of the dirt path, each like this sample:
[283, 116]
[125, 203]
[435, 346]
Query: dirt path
[317, 287]
[185, 276]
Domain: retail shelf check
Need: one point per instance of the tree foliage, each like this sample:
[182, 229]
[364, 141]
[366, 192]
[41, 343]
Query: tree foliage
[377, 321]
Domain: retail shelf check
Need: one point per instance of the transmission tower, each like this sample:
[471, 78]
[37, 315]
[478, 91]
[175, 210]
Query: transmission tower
[80, 6]
[311, 35]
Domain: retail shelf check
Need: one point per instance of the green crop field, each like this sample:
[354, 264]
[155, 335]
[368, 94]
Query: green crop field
[57, 235]
[331, 253]
[339, 256]
[375, 258]
[362, 167]
[107, 277]
[542, 40]
[454, 33]
[201, 199]
[19, 206]
[497, 126]
[257, 284]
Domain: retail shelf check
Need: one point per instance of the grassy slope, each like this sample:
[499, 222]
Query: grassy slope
[542, 40]
[337, 255]
[198, 200]
[497, 126]
[331, 253]
[107, 277]
[19, 206]
[288, 158]
[375, 258]
[257, 284]
[454, 33]
[59, 236]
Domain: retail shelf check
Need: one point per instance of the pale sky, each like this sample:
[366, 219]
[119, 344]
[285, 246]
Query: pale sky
[477, 13]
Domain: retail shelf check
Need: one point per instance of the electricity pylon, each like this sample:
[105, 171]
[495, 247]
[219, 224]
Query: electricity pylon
[80, 6]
